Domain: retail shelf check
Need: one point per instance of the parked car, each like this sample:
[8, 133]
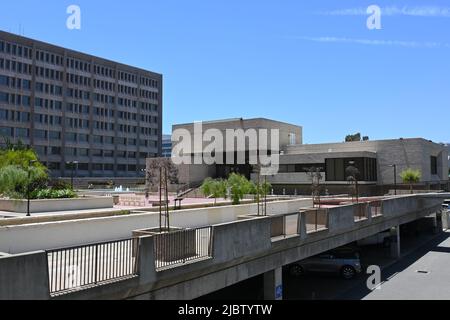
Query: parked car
[382, 238]
[342, 261]
[445, 206]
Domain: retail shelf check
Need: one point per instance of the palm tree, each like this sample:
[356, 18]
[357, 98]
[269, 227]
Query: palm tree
[411, 176]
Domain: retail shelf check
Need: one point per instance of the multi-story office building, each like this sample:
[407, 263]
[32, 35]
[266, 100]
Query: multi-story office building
[167, 146]
[71, 106]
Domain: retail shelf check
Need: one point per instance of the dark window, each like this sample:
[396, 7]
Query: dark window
[4, 80]
[55, 151]
[83, 166]
[336, 168]
[83, 152]
[22, 133]
[55, 135]
[434, 169]
[54, 165]
[6, 131]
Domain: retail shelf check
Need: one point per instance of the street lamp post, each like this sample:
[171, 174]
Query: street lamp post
[395, 177]
[147, 182]
[28, 186]
[72, 167]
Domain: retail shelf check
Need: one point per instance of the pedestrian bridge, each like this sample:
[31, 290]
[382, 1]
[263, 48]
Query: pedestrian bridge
[198, 260]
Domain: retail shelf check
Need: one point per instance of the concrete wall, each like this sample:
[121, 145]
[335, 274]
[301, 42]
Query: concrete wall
[31, 237]
[36, 206]
[24, 277]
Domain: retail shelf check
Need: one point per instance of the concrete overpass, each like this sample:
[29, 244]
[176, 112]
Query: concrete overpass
[191, 263]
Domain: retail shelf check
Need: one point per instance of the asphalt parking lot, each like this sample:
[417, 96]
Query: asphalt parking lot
[331, 287]
[417, 241]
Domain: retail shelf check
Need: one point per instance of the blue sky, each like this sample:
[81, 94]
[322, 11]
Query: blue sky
[312, 63]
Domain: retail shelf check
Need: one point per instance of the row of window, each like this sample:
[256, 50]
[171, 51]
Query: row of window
[72, 137]
[72, 63]
[15, 99]
[104, 85]
[47, 119]
[17, 132]
[48, 104]
[16, 83]
[95, 167]
[49, 57]
[17, 116]
[149, 107]
[78, 80]
[49, 89]
[49, 73]
[77, 108]
[71, 122]
[78, 94]
[16, 50]
[15, 66]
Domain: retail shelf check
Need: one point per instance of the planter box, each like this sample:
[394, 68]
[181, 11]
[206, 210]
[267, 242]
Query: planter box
[55, 205]
[175, 245]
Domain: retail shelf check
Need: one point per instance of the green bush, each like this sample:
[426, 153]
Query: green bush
[53, 194]
[60, 185]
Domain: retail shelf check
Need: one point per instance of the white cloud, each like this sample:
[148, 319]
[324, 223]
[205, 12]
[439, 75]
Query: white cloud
[417, 11]
[396, 43]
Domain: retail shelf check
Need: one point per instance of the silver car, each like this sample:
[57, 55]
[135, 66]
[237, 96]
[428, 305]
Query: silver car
[344, 262]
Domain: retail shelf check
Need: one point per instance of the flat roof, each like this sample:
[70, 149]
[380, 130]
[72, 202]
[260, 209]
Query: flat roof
[235, 120]
[362, 142]
[30, 41]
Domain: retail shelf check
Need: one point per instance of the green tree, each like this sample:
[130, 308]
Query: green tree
[214, 188]
[353, 137]
[411, 176]
[239, 187]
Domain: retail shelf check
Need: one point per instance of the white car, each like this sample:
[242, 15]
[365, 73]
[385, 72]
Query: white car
[384, 238]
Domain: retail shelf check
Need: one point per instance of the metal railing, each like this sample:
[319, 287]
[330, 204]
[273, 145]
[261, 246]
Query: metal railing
[177, 248]
[73, 268]
[316, 220]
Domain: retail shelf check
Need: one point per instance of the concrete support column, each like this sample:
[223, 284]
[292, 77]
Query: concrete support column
[435, 224]
[273, 284]
[445, 220]
[395, 245]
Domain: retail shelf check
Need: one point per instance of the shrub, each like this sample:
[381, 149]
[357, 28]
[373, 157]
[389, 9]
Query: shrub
[60, 185]
[53, 194]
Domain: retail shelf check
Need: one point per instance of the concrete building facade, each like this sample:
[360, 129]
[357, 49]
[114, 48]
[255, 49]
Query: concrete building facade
[196, 173]
[74, 107]
[375, 161]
